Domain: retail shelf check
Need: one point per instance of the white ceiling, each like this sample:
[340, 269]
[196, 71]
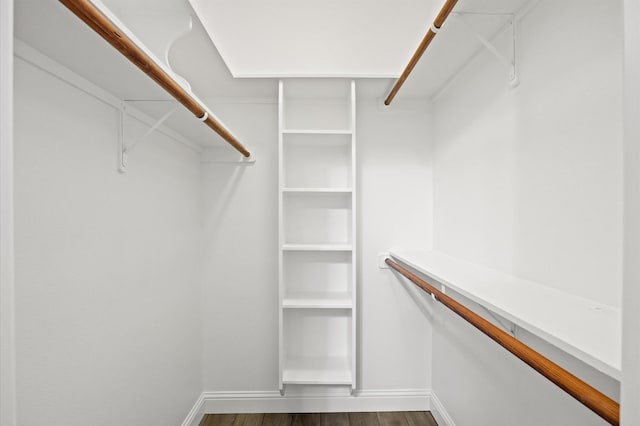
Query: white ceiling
[354, 38]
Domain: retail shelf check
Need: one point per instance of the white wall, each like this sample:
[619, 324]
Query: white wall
[107, 265]
[7, 284]
[528, 181]
[479, 383]
[241, 281]
[395, 172]
[240, 294]
[631, 307]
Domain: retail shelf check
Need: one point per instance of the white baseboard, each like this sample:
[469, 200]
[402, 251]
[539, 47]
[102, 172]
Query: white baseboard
[196, 413]
[439, 412]
[317, 401]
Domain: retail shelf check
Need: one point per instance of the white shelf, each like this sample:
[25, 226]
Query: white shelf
[587, 330]
[317, 371]
[317, 190]
[317, 300]
[317, 132]
[317, 247]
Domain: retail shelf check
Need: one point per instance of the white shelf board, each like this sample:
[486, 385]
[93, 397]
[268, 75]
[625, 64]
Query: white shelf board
[317, 300]
[317, 131]
[317, 371]
[317, 190]
[317, 247]
[587, 330]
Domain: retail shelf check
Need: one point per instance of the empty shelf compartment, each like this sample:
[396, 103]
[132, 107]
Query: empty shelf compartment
[317, 371]
[323, 219]
[317, 161]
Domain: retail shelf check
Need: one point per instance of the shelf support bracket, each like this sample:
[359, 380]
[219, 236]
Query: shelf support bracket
[123, 148]
[122, 167]
[509, 327]
[510, 63]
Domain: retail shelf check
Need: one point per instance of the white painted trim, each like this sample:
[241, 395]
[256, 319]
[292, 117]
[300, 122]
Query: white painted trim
[7, 277]
[318, 400]
[221, 100]
[353, 76]
[630, 389]
[439, 412]
[196, 412]
[48, 65]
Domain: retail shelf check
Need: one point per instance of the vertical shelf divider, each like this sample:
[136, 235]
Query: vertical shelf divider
[354, 234]
[280, 236]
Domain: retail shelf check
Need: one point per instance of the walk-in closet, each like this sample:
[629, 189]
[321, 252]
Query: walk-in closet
[339, 212]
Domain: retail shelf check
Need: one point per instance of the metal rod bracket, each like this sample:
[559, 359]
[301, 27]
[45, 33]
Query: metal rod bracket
[381, 260]
[122, 160]
[125, 148]
[509, 60]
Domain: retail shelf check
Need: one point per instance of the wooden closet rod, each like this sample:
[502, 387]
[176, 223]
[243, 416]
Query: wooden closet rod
[94, 18]
[430, 35]
[593, 399]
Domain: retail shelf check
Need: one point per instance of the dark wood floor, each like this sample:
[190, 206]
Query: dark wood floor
[408, 418]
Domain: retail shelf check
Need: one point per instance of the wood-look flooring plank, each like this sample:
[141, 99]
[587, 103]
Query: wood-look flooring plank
[218, 420]
[248, 420]
[392, 419]
[363, 419]
[335, 419]
[420, 418]
[408, 418]
[306, 419]
[277, 419]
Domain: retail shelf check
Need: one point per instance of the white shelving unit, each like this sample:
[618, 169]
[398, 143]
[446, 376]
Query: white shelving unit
[317, 232]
